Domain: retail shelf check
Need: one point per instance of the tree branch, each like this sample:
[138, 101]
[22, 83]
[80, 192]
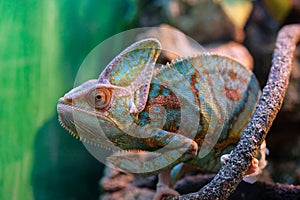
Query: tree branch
[231, 174]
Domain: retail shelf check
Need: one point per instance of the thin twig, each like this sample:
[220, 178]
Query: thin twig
[231, 174]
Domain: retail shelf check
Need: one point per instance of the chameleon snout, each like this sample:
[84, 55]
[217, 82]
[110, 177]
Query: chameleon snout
[65, 100]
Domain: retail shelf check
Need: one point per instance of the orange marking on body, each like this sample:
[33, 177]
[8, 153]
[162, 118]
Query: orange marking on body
[232, 94]
[232, 74]
[170, 101]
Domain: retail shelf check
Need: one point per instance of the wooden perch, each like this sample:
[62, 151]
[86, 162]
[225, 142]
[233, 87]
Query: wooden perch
[231, 174]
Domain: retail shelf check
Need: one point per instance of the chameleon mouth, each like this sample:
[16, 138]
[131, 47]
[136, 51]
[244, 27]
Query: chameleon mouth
[66, 120]
[67, 127]
[67, 114]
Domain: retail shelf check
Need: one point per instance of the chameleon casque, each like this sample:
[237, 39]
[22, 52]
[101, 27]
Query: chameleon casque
[191, 110]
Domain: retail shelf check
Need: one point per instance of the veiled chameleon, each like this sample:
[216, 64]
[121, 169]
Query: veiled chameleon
[191, 110]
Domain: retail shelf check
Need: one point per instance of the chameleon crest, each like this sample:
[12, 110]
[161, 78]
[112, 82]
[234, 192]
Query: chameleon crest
[191, 110]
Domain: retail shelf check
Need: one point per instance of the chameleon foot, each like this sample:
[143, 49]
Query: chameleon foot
[253, 172]
[255, 169]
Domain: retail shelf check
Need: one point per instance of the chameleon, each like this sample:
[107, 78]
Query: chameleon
[191, 110]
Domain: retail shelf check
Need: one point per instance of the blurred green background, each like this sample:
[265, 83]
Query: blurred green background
[42, 44]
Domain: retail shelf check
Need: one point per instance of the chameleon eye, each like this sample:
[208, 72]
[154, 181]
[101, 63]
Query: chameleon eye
[100, 98]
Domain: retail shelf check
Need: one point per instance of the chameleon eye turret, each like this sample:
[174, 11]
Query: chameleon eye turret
[99, 98]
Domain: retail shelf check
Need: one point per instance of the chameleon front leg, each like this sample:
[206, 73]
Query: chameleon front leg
[171, 149]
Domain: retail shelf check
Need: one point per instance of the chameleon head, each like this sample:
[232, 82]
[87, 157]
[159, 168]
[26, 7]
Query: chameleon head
[84, 112]
[101, 111]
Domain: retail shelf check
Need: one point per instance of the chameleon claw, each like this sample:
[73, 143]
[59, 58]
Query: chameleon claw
[256, 167]
[224, 158]
[253, 172]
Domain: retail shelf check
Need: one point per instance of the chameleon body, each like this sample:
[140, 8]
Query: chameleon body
[191, 110]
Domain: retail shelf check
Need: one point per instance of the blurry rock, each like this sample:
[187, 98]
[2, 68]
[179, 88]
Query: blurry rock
[115, 180]
[261, 31]
[121, 185]
[294, 15]
[130, 193]
[278, 9]
[259, 190]
[150, 13]
[298, 175]
[208, 21]
[233, 50]
[176, 44]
